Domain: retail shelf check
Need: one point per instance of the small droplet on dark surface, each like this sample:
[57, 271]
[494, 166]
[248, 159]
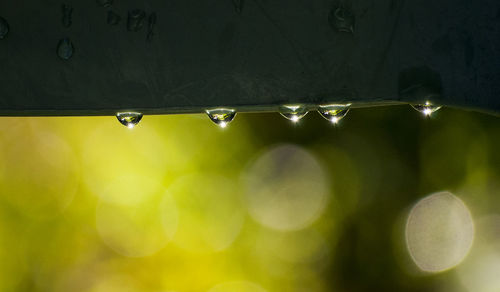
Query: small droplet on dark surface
[4, 28]
[105, 3]
[293, 112]
[67, 12]
[334, 112]
[129, 119]
[426, 108]
[65, 49]
[135, 20]
[113, 18]
[342, 20]
[238, 5]
[221, 116]
[151, 26]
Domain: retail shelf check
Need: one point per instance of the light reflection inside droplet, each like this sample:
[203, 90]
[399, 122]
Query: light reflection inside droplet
[427, 108]
[334, 112]
[129, 119]
[293, 112]
[221, 116]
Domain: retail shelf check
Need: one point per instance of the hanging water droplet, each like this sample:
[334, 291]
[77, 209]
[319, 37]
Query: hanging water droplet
[221, 116]
[129, 119]
[293, 112]
[427, 108]
[334, 112]
[65, 49]
[238, 5]
[4, 28]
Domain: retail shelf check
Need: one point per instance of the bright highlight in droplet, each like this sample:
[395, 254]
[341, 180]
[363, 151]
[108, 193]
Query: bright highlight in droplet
[439, 232]
[334, 112]
[426, 109]
[129, 119]
[293, 112]
[221, 116]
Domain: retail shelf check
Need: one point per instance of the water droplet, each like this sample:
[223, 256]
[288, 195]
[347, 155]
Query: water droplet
[427, 108]
[238, 5]
[4, 28]
[105, 3]
[135, 20]
[334, 112]
[293, 112]
[67, 13]
[221, 116]
[113, 18]
[342, 20]
[65, 49]
[129, 119]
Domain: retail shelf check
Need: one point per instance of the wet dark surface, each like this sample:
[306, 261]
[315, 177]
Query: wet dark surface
[194, 54]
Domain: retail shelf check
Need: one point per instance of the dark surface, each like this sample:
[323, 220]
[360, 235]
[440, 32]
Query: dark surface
[199, 54]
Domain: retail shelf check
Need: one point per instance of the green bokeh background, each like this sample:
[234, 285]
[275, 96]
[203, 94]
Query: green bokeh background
[66, 183]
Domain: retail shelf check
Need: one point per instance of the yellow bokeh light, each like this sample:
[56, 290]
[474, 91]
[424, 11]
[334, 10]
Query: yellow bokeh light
[481, 270]
[239, 286]
[115, 283]
[110, 152]
[138, 230]
[285, 188]
[43, 172]
[303, 246]
[177, 204]
[211, 215]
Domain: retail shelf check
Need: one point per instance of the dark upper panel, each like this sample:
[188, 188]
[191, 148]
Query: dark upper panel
[98, 57]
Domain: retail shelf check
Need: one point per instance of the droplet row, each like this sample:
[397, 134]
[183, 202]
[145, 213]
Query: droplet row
[331, 112]
[223, 116]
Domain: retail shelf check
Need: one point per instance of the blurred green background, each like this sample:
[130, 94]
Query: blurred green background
[387, 200]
